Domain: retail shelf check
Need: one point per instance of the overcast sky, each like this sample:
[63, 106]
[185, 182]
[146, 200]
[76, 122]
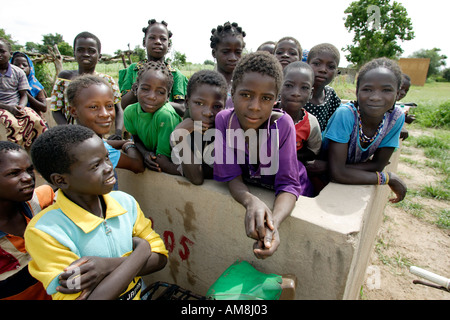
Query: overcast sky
[119, 23]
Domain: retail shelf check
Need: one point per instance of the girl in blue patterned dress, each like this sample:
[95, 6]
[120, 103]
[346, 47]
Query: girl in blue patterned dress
[362, 135]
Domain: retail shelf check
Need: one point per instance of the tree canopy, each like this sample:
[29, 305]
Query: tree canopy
[436, 60]
[377, 25]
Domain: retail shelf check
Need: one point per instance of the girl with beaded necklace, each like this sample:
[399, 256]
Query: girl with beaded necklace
[362, 135]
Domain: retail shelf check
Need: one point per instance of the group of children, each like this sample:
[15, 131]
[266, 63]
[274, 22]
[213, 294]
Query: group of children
[265, 118]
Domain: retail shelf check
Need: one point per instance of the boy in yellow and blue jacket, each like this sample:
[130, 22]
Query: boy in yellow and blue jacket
[92, 243]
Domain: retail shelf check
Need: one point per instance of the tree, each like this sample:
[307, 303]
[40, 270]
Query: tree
[179, 59]
[49, 40]
[436, 60]
[446, 74]
[377, 25]
[7, 37]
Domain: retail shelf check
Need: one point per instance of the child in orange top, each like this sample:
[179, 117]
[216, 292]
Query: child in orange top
[19, 202]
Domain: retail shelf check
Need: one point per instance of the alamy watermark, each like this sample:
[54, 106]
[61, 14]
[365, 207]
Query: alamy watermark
[374, 14]
[260, 146]
[74, 281]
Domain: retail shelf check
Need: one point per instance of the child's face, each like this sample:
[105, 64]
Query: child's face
[22, 63]
[286, 52]
[205, 102]
[94, 108]
[297, 88]
[152, 92]
[228, 53]
[377, 92]
[404, 89]
[268, 47]
[86, 52]
[325, 68]
[16, 176]
[5, 54]
[92, 172]
[157, 41]
[253, 99]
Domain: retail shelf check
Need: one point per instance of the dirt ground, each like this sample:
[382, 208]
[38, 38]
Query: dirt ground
[405, 240]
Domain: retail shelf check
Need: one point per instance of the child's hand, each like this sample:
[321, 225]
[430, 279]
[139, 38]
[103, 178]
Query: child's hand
[91, 271]
[186, 124]
[150, 161]
[398, 187]
[17, 111]
[266, 248]
[258, 219]
[409, 118]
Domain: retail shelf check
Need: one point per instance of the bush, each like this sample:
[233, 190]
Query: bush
[432, 117]
[45, 73]
[446, 74]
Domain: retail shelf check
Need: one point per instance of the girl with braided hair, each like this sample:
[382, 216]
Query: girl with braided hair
[227, 44]
[157, 42]
[152, 119]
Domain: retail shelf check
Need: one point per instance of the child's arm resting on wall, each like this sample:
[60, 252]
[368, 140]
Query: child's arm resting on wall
[363, 173]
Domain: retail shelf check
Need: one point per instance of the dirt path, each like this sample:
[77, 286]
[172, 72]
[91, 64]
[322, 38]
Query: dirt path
[406, 240]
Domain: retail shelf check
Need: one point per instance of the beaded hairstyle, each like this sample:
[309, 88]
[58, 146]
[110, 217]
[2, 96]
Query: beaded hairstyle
[228, 28]
[152, 22]
[155, 66]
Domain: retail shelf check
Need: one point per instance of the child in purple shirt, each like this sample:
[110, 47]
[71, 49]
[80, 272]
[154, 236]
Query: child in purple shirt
[256, 144]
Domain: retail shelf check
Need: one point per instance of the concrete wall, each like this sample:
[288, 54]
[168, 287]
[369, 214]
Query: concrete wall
[326, 242]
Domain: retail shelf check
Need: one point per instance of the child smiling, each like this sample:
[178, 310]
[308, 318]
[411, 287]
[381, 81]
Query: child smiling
[88, 228]
[152, 119]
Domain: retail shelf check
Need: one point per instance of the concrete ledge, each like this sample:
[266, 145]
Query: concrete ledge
[326, 242]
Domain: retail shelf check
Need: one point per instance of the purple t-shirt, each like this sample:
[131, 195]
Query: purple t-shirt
[276, 167]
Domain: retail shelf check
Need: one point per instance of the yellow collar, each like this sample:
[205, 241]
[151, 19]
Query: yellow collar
[84, 219]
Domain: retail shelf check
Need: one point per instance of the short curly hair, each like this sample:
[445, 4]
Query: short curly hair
[297, 44]
[155, 66]
[324, 48]
[262, 62]
[83, 82]
[381, 63]
[209, 77]
[87, 35]
[299, 65]
[222, 30]
[7, 146]
[51, 151]
[151, 23]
